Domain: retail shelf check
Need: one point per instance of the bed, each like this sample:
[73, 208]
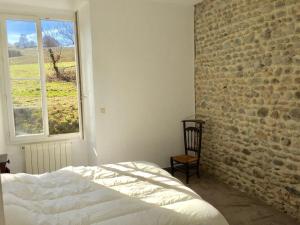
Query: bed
[130, 193]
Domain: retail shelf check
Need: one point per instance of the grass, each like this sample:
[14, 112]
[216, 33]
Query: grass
[61, 96]
[33, 70]
[30, 56]
[31, 89]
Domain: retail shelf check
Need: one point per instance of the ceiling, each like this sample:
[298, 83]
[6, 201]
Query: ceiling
[51, 4]
[184, 2]
[71, 4]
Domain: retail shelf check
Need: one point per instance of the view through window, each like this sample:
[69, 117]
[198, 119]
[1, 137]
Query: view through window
[42, 77]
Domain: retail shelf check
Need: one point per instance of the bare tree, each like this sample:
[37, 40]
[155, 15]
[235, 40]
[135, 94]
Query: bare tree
[54, 50]
[24, 42]
[55, 38]
[66, 31]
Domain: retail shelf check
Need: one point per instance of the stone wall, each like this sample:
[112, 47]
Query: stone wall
[247, 78]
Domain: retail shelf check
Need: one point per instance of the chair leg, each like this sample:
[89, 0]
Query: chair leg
[172, 166]
[187, 168]
[198, 170]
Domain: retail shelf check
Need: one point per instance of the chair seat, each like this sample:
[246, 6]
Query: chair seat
[185, 158]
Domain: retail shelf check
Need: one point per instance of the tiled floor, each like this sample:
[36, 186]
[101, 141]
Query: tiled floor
[238, 208]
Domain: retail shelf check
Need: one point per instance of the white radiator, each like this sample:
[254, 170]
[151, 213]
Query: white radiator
[47, 157]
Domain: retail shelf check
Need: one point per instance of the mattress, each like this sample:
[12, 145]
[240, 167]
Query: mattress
[130, 193]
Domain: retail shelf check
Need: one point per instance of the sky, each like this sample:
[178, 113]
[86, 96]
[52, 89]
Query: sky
[16, 28]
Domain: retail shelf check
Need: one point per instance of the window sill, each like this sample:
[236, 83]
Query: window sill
[41, 139]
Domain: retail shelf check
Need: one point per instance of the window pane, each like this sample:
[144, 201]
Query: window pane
[28, 121]
[26, 95]
[25, 77]
[60, 66]
[62, 107]
[22, 49]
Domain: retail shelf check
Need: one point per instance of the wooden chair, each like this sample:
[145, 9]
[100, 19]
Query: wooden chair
[192, 144]
[3, 162]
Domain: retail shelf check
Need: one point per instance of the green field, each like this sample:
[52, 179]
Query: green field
[33, 70]
[30, 56]
[62, 96]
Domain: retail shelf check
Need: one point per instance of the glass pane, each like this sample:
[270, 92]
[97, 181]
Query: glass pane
[26, 96]
[60, 66]
[22, 49]
[28, 121]
[26, 93]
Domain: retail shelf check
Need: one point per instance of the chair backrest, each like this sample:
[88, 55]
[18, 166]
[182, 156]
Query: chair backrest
[192, 136]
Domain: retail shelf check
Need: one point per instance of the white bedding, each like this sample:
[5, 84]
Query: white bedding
[133, 193]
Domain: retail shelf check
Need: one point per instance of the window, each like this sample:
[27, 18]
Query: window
[42, 87]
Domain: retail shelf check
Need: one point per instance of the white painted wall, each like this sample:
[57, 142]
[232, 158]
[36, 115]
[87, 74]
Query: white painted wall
[137, 62]
[143, 54]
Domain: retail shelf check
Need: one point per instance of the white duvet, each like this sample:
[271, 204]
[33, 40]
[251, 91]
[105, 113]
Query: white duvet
[133, 193]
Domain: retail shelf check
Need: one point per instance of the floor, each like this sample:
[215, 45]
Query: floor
[238, 208]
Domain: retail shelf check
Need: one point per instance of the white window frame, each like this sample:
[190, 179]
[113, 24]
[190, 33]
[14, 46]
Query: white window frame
[8, 104]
